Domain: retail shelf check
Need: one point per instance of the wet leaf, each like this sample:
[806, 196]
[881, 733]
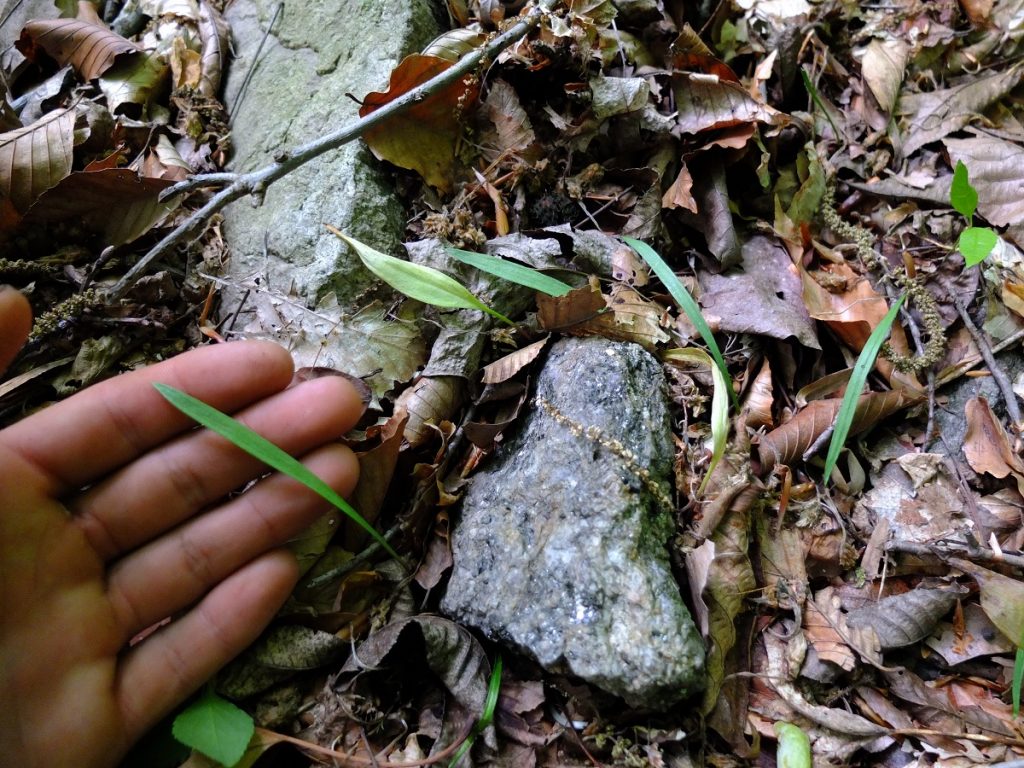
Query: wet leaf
[36, 157]
[422, 138]
[91, 49]
[417, 281]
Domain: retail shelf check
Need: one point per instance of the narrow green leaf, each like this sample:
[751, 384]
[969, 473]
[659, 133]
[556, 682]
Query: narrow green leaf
[1018, 677]
[719, 404]
[686, 301]
[417, 281]
[962, 195]
[215, 727]
[264, 450]
[816, 98]
[847, 409]
[794, 747]
[486, 717]
[976, 243]
[509, 270]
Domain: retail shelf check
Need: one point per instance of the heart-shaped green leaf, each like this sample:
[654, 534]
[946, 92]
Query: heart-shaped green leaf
[215, 727]
[976, 243]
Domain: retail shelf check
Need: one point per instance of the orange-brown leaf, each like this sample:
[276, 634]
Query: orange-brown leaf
[790, 441]
[508, 366]
[89, 48]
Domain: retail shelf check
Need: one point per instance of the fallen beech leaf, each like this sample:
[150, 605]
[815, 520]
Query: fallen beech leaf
[882, 68]
[430, 400]
[788, 443]
[509, 365]
[987, 446]
[376, 468]
[903, 620]
[91, 49]
[422, 138]
[36, 157]
[1002, 599]
[214, 36]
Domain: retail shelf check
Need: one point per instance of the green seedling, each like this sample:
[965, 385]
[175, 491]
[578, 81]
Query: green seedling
[514, 273]
[719, 404]
[848, 408]
[975, 243]
[417, 281]
[486, 717]
[215, 727]
[1018, 677]
[687, 304]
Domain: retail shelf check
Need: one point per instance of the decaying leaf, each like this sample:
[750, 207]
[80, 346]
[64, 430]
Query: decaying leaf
[36, 157]
[430, 401]
[214, 35]
[90, 48]
[508, 366]
[790, 441]
[376, 468]
[903, 620]
[883, 67]
[1002, 598]
[422, 138]
[997, 172]
[987, 446]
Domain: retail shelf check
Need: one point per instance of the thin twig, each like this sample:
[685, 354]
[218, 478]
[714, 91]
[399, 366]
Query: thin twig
[256, 182]
[1001, 379]
[240, 96]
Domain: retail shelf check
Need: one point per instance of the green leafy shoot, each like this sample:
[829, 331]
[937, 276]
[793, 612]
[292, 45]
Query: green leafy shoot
[486, 717]
[719, 404]
[962, 195]
[509, 270]
[215, 727]
[847, 409]
[1018, 678]
[417, 281]
[975, 243]
[794, 747]
[686, 302]
[264, 450]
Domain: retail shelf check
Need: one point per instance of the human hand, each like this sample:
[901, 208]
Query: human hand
[112, 518]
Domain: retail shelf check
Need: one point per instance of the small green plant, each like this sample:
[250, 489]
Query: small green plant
[794, 747]
[215, 727]
[848, 408]
[1018, 677]
[486, 717]
[975, 243]
[514, 273]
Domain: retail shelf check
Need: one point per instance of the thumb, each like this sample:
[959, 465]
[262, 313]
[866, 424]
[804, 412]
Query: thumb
[15, 323]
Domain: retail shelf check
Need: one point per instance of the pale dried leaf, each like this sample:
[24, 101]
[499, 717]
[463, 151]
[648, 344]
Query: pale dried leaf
[707, 103]
[213, 34]
[883, 67]
[987, 446]
[936, 114]
[757, 405]
[514, 131]
[680, 194]
[430, 401]
[905, 619]
[997, 171]
[509, 365]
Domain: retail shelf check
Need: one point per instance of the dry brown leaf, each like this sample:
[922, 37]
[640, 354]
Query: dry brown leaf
[707, 103]
[680, 194]
[509, 365]
[628, 267]
[89, 48]
[559, 313]
[883, 67]
[429, 401]
[757, 405]
[438, 557]
[214, 36]
[987, 446]
[902, 620]
[376, 468]
[789, 442]
[632, 318]
[826, 630]
[422, 138]
[36, 157]
[514, 133]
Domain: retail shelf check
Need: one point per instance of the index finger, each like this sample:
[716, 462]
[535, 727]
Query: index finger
[109, 424]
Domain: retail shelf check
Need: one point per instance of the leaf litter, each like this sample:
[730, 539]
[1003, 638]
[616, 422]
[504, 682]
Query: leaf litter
[793, 171]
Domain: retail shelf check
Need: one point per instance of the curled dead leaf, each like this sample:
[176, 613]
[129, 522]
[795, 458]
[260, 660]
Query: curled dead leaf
[90, 48]
[509, 365]
[429, 401]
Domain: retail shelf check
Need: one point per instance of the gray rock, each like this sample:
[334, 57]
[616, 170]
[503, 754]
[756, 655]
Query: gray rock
[318, 53]
[561, 546]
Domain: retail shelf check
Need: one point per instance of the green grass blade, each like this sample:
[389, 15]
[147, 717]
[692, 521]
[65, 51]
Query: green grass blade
[847, 409]
[818, 101]
[686, 302]
[1018, 678]
[416, 280]
[486, 717]
[719, 404]
[508, 270]
[264, 450]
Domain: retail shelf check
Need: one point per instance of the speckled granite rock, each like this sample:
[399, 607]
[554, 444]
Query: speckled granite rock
[560, 550]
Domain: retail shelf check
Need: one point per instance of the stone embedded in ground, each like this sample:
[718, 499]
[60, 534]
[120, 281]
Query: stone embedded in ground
[560, 549]
[315, 55]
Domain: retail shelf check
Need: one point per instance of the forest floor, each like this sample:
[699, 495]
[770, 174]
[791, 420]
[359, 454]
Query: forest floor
[802, 168]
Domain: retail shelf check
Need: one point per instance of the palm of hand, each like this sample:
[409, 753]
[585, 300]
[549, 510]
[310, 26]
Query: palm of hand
[112, 518]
